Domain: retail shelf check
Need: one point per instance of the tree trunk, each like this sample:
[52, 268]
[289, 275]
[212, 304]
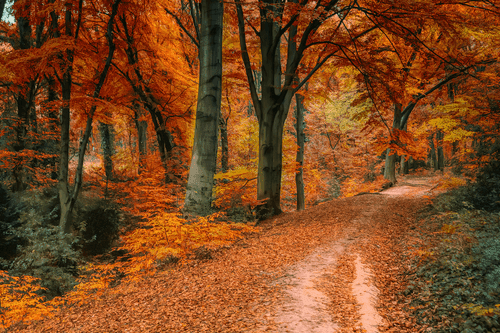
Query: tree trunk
[142, 131]
[107, 148]
[404, 165]
[67, 204]
[2, 6]
[163, 136]
[299, 128]
[204, 160]
[224, 143]
[67, 198]
[390, 166]
[390, 159]
[53, 127]
[440, 152]
[23, 107]
[432, 153]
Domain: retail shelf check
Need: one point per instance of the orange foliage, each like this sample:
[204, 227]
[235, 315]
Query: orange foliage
[20, 300]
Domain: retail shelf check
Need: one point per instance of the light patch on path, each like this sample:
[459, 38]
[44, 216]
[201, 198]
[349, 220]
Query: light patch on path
[409, 188]
[305, 308]
[366, 296]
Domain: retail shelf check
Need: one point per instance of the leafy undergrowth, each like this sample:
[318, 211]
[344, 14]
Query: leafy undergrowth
[158, 238]
[441, 272]
[229, 293]
[189, 286]
[456, 279]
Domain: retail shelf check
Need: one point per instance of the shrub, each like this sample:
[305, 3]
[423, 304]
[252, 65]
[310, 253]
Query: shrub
[99, 228]
[45, 252]
[458, 289]
[8, 220]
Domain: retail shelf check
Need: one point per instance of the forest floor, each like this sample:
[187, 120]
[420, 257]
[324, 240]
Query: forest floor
[336, 267]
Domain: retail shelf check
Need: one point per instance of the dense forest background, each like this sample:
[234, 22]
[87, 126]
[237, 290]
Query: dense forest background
[136, 134]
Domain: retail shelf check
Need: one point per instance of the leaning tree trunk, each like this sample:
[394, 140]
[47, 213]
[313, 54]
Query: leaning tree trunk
[299, 175]
[204, 159]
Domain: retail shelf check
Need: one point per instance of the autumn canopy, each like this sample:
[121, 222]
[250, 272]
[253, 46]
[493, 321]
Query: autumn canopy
[153, 128]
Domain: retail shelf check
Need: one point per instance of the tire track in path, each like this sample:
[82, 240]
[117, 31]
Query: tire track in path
[308, 309]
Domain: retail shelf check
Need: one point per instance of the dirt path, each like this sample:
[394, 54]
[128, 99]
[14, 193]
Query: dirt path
[305, 308]
[334, 267]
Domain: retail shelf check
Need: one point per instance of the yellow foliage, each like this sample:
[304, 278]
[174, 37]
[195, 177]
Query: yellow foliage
[169, 235]
[20, 301]
[480, 310]
[451, 182]
[353, 186]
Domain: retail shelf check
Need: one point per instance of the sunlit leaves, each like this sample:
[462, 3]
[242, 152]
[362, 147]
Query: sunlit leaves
[20, 300]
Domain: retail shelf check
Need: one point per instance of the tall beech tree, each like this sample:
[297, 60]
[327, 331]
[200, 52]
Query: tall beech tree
[204, 160]
[308, 28]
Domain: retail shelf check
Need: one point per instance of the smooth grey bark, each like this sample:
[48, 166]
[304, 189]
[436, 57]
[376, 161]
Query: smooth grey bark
[68, 198]
[204, 158]
[403, 170]
[299, 175]
[65, 198]
[2, 7]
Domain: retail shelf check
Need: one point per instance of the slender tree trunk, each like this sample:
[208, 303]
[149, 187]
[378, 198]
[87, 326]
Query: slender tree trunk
[432, 153]
[23, 107]
[163, 136]
[224, 143]
[403, 170]
[67, 198]
[440, 151]
[142, 131]
[107, 148]
[53, 127]
[299, 175]
[63, 185]
[204, 160]
[390, 159]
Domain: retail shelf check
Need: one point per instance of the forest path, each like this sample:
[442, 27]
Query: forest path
[335, 267]
[307, 309]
